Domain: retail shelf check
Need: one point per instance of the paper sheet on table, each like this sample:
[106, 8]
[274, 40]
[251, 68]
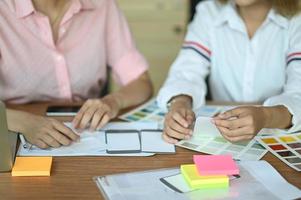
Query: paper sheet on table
[131, 125]
[91, 143]
[151, 141]
[258, 180]
[116, 142]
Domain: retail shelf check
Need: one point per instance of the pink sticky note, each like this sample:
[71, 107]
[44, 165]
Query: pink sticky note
[215, 165]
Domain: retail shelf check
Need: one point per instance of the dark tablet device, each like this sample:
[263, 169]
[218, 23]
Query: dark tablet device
[62, 110]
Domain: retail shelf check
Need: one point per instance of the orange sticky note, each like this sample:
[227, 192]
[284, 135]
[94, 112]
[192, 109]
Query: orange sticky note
[32, 166]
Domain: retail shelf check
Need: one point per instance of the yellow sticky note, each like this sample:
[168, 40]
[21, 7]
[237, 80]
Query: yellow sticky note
[32, 166]
[195, 181]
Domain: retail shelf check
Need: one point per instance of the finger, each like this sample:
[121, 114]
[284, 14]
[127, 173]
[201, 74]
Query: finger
[176, 126]
[235, 132]
[168, 139]
[106, 118]
[87, 117]
[234, 138]
[175, 134]
[180, 119]
[232, 124]
[50, 141]
[98, 115]
[80, 114]
[39, 143]
[63, 140]
[216, 114]
[236, 112]
[66, 131]
[190, 117]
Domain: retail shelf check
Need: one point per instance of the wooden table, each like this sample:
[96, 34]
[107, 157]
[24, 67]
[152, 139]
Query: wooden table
[71, 177]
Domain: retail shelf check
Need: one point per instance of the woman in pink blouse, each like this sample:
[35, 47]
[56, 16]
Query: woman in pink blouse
[60, 50]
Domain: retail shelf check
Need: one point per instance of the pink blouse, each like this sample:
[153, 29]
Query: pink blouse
[92, 35]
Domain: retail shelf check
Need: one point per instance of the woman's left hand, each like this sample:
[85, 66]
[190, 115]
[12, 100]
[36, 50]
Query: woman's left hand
[95, 113]
[242, 123]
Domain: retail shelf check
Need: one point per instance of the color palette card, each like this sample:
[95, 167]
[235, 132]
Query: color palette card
[196, 181]
[147, 112]
[204, 126]
[217, 145]
[32, 166]
[212, 110]
[215, 165]
[286, 147]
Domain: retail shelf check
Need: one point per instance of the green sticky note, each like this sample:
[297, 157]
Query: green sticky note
[195, 181]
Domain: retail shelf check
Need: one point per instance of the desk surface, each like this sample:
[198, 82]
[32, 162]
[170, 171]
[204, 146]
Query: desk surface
[71, 177]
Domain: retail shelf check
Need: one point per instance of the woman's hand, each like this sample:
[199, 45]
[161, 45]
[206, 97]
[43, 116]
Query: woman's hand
[244, 123]
[178, 121]
[95, 113]
[41, 131]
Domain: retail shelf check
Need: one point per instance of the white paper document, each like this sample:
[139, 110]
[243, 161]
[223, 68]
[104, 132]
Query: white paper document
[258, 180]
[92, 144]
[130, 125]
[149, 138]
[95, 143]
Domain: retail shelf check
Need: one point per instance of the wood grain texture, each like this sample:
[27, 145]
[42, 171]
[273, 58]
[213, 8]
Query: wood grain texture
[72, 177]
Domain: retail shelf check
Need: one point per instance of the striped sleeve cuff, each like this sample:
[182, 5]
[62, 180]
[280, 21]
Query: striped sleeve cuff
[200, 49]
[296, 56]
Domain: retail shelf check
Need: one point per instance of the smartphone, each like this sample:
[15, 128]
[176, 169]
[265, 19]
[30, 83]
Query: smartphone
[62, 110]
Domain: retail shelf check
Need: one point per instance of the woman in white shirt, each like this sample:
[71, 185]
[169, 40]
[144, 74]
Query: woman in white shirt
[251, 50]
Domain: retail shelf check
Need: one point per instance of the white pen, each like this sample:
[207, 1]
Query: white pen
[23, 142]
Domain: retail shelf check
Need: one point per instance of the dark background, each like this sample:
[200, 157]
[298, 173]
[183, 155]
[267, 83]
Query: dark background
[192, 7]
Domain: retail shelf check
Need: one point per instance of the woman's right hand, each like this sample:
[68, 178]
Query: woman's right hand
[179, 120]
[41, 131]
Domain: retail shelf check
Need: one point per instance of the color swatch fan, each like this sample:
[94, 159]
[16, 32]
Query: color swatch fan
[148, 112]
[286, 147]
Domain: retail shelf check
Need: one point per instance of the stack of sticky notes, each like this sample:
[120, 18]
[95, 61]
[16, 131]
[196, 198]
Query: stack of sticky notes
[209, 171]
[32, 166]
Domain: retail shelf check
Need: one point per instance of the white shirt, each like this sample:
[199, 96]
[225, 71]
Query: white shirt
[266, 68]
